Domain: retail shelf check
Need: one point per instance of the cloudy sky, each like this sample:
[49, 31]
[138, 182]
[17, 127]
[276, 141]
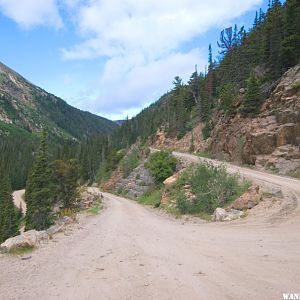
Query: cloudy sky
[113, 57]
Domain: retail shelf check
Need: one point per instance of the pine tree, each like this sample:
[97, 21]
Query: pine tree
[256, 20]
[64, 182]
[9, 222]
[193, 88]
[209, 78]
[290, 47]
[252, 99]
[38, 192]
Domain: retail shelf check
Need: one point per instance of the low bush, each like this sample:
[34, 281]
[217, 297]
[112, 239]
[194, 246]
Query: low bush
[212, 186]
[161, 165]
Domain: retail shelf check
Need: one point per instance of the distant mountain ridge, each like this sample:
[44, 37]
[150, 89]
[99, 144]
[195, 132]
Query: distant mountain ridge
[119, 122]
[31, 108]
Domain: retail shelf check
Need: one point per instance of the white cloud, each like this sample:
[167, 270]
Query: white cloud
[29, 13]
[131, 82]
[153, 27]
[142, 42]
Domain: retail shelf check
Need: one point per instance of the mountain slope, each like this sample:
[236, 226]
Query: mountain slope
[25, 110]
[31, 108]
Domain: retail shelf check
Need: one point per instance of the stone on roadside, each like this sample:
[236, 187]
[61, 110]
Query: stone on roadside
[55, 229]
[220, 214]
[248, 200]
[29, 238]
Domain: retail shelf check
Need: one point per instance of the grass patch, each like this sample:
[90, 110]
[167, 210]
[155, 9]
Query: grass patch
[295, 173]
[205, 154]
[21, 250]
[95, 209]
[296, 85]
[151, 198]
[121, 192]
[174, 211]
[68, 212]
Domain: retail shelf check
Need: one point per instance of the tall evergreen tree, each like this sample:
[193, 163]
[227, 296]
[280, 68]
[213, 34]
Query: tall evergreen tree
[38, 192]
[209, 78]
[65, 182]
[9, 221]
[194, 90]
[252, 99]
[290, 47]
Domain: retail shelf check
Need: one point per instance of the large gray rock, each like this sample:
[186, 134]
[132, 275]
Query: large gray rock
[55, 229]
[220, 214]
[137, 183]
[29, 238]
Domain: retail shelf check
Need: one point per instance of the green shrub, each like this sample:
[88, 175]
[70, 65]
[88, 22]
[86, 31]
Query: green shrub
[130, 162]
[295, 173]
[212, 186]
[151, 198]
[161, 165]
[206, 131]
[96, 208]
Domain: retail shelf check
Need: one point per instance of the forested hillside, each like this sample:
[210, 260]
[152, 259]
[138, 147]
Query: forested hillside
[31, 108]
[249, 62]
[248, 68]
[25, 110]
[237, 83]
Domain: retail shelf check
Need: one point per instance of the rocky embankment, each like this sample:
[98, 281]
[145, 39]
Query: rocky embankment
[270, 141]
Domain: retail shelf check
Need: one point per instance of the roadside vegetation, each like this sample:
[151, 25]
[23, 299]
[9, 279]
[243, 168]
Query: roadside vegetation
[204, 187]
[10, 216]
[96, 208]
[151, 198]
[295, 173]
[161, 165]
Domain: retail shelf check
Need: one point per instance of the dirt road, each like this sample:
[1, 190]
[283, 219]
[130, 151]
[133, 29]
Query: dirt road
[132, 252]
[18, 197]
[289, 186]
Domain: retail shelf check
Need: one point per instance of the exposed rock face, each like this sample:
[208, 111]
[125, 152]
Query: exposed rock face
[248, 200]
[110, 185]
[283, 159]
[137, 183]
[272, 139]
[255, 141]
[192, 141]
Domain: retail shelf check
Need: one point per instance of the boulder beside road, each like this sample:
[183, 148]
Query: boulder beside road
[32, 238]
[221, 215]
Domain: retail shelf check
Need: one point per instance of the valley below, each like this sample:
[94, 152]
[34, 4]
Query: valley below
[129, 251]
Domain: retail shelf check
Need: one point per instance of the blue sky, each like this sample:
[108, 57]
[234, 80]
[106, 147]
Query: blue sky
[113, 57]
